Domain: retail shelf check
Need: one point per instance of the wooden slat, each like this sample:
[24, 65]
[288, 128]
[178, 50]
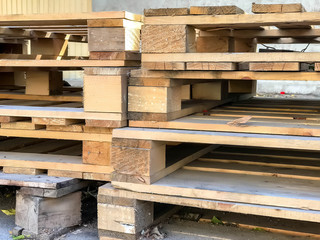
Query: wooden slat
[215, 10]
[277, 8]
[166, 12]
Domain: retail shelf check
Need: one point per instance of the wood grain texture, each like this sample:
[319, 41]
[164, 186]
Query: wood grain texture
[166, 12]
[211, 66]
[114, 39]
[97, 153]
[173, 39]
[215, 10]
[276, 66]
[277, 8]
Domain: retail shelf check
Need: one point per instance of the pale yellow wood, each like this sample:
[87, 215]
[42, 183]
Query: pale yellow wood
[105, 93]
[235, 57]
[173, 39]
[277, 8]
[275, 66]
[154, 99]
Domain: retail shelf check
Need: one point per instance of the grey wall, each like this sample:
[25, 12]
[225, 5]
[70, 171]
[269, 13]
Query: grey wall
[290, 87]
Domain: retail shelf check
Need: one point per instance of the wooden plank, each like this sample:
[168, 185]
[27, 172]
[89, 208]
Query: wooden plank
[21, 125]
[274, 66]
[55, 121]
[254, 170]
[215, 10]
[211, 66]
[96, 88]
[227, 75]
[106, 123]
[59, 98]
[173, 39]
[114, 23]
[63, 18]
[234, 188]
[154, 99]
[54, 135]
[277, 8]
[114, 39]
[67, 63]
[166, 12]
[232, 57]
[287, 213]
[49, 161]
[164, 66]
[64, 173]
[41, 181]
[96, 153]
[237, 139]
[242, 20]
[56, 112]
[114, 56]
[26, 171]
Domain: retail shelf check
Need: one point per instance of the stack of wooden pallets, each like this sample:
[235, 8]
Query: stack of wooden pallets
[255, 156]
[49, 127]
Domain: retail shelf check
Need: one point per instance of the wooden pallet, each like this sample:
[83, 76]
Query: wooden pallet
[264, 116]
[56, 157]
[277, 183]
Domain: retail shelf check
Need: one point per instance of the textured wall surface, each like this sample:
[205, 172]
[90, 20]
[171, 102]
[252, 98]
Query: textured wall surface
[137, 6]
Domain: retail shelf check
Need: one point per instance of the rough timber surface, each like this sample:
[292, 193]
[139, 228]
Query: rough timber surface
[266, 116]
[40, 181]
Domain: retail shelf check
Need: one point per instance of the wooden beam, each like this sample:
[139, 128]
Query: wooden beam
[227, 75]
[216, 10]
[166, 12]
[238, 139]
[277, 8]
[63, 18]
[232, 57]
[242, 20]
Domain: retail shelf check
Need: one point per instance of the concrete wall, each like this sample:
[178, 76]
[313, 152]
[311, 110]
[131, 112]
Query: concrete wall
[290, 87]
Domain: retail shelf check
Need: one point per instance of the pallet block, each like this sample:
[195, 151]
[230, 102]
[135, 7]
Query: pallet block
[217, 90]
[44, 83]
[154, 99]
[173, 39]
[105, 93]
[114, 39]
[35, 214]
[123, 217]
[97, 153]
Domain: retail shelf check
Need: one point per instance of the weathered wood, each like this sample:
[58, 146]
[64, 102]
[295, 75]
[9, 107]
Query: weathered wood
[114, 23]
[97, 153]
[173, 39]
[211, 66]
[238, 139]
[123, 219]
[114, 39]
[35, 214]
[135, 56]
[25, 171]
[277, 8]
[164, 65]
[215, 10]
[275, 66]
[166, 12]
[142, 161]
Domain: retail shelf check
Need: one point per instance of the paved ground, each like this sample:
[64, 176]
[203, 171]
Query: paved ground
[7, 201]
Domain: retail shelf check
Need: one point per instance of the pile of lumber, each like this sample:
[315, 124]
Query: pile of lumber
[56, 129]
[195, 136]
